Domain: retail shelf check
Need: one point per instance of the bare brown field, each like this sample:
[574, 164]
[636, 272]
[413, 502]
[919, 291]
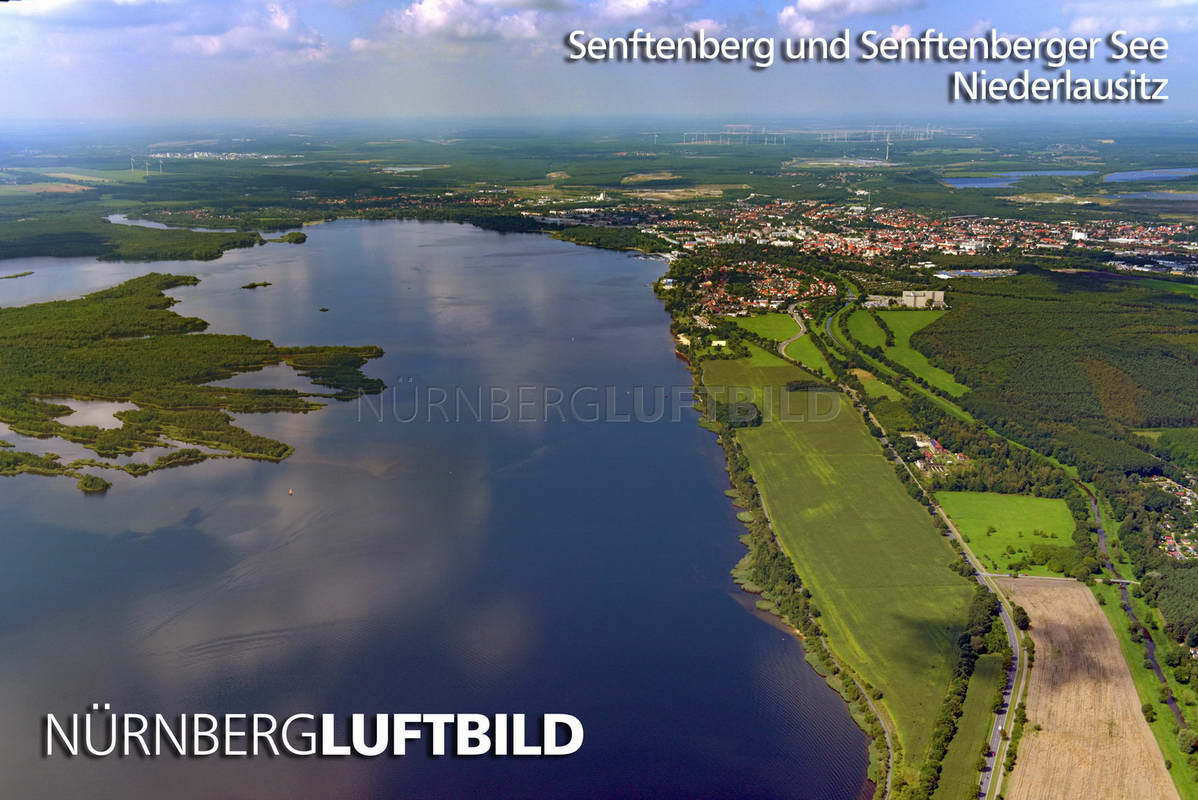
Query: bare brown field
[1093, 742]
[692, 193]
[46, 188]
[649, 177]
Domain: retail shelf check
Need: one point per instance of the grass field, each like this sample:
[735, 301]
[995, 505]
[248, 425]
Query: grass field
[806, 353]
[1014, 518]
[875, 387]
[41, 188]
[778, 327]
[1093, 741]
[891, 607]
[1147, 687]
[1167, 286]
[959, 772]
[865, 330]
[83, 175]
[905, 323]
[1180, 444]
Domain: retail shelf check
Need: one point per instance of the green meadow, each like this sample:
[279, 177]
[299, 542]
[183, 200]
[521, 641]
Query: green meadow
[1015, 519]
[904, 324]
[865, 329]
[778, 327]
[805, 352]
[878, 570]
[1180, 445]
[876, 387]
[1164, 726]
[960, 768]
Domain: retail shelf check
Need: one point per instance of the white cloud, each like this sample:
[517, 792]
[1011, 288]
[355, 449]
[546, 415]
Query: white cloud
[462, 19]
[980, 28]
[806, 17]
[1139, 25]
[1150, 18]
[796, 23]
[705, 24]
[269, 30]
[660, 13]
[852, 8]
[280, 18]
[901, 31]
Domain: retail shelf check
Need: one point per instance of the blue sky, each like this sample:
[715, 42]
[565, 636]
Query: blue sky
[157, 59]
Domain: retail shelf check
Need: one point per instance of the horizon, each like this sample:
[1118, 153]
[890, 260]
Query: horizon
[159, 59]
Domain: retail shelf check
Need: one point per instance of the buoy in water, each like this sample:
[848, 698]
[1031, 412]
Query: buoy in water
[290, 492]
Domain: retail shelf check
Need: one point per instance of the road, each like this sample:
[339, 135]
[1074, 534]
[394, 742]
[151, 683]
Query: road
[1023, 577]
[798, 318]
[883, 719]
[1017, 671]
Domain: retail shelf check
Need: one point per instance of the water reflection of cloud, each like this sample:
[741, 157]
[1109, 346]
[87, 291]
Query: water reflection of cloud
[495, 641]
[100, 413]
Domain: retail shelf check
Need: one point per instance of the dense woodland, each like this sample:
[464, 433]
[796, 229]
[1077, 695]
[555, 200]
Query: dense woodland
[1071, 364]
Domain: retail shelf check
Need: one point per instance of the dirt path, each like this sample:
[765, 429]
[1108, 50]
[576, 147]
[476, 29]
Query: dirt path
[1093, 742]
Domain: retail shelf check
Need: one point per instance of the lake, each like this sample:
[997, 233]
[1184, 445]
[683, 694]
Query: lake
[1157, 196]
[1171, 174]
[532, 564]
[1004, 179]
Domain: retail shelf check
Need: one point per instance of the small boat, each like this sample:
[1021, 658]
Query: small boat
[290, 492]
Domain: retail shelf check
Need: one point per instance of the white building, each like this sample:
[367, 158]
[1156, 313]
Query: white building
[922, 299]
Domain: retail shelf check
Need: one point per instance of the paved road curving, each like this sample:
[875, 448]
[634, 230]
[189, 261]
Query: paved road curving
[798, 318]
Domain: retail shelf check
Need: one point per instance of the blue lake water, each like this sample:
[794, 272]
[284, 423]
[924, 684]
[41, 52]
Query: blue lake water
[123, 219]
[1004, 179]
[495, 566]
[1150, 175]
[1158, 196]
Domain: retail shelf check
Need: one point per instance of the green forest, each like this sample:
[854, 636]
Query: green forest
[1072, 364]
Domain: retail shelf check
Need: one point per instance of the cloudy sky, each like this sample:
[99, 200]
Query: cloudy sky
[155, 59]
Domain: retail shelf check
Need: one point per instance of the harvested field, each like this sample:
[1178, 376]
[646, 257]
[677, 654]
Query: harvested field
[1094, 742]
[692, 193]
[43, 188]
[649, 177]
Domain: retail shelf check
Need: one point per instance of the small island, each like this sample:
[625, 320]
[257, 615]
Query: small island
[15, 275]
[257, 285]
[54, 349]
[93, 484]
[295, 237]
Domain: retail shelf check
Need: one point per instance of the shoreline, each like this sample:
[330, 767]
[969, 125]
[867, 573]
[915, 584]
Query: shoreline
[817, 653]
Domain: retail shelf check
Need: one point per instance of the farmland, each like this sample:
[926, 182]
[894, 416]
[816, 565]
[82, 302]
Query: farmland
[874, 386]
[1086, 736]
[778, 327]
[891, 607]
[1164, 727]
[960, 773]
[805, 352]
[905, 324]
[1002, 528]
[865, 330]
